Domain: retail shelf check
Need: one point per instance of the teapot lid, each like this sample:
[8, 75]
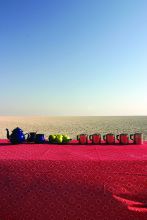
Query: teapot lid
[17, 129]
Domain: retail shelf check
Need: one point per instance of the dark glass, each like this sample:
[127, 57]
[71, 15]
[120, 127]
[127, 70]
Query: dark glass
[31, 137]
[39, 138]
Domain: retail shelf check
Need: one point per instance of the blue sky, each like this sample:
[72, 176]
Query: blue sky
[73, 57]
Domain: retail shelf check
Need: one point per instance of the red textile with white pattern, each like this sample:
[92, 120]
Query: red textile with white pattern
[73, 182]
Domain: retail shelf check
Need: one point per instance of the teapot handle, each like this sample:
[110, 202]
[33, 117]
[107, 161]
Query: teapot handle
[27, 134]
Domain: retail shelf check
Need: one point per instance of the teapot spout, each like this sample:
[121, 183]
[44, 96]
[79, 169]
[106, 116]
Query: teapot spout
[8, 136]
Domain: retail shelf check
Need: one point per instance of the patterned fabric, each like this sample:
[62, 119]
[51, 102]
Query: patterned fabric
[73, 182]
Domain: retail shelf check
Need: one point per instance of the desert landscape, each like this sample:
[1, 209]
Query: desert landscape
[73, 125]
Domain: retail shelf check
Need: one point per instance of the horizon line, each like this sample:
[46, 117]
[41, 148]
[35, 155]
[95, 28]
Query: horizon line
[34, 115]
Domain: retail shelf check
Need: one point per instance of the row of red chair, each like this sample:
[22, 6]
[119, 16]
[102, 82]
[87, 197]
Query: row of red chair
[110, 138]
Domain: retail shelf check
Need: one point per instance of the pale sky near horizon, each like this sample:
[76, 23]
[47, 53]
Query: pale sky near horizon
[73, 57]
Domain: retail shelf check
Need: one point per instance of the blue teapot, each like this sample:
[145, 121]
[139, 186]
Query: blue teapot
[17, 136]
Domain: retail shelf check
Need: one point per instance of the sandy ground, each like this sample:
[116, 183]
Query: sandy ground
[75, 125]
